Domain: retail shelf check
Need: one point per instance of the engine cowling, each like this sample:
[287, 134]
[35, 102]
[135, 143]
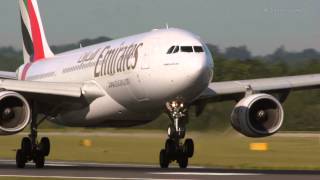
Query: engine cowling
[257, 115]
[15, 113]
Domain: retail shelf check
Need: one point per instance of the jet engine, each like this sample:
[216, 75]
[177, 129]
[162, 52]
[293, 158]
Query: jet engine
[14, 113]
[257, 115]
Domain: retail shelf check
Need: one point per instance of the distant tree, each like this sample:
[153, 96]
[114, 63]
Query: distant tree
[279, 54]
[310, 54]
[215, 50]
[240, 53]
[83, 43]
[88, 42]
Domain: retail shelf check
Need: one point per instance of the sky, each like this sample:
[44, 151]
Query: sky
[261, 25]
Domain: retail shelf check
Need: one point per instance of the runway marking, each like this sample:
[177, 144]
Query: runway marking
[92, 164]
[204, 174]
[59, 165]
[74, 177]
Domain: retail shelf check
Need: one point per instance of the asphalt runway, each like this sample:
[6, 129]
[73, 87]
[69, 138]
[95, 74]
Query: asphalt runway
[97, 171]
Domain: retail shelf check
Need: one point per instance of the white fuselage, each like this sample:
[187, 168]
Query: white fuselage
[136, 74]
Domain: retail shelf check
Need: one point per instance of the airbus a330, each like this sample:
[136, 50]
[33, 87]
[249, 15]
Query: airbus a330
[128, 82]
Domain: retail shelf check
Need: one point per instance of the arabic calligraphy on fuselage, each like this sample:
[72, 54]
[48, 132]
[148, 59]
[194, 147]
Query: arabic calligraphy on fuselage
[110, 61]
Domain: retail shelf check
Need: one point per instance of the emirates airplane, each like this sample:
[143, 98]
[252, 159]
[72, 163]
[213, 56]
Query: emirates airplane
[128, 82]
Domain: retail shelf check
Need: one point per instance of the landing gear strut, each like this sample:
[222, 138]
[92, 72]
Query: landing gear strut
[31, 149]
[175, 149]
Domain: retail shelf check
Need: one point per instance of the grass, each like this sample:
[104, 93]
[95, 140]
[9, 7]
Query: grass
[212, 150]
[31, 178]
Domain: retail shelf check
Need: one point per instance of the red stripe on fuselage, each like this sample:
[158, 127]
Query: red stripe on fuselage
[36, 34]
[25, 71]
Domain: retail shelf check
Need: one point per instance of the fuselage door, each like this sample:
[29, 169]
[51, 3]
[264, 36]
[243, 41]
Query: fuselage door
[148, 51]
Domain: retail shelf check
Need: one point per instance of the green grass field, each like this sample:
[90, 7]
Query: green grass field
[212, 149]
[31, 178]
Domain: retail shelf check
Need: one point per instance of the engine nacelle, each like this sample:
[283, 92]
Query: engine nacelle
[258, 115]
[15, 113]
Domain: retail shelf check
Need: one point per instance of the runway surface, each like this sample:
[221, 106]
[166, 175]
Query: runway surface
[97, 171]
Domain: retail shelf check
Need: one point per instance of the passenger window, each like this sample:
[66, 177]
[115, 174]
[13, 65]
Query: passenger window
[176, 49]
[198, 49]
[186, 49]
[170, 50]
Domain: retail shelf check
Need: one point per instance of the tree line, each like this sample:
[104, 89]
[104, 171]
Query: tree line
[233, 63]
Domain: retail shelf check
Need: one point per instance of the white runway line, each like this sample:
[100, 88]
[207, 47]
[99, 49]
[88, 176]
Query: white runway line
[93, 164]
[74, 177]
[59, 165]
[77, 164]
[204, 174]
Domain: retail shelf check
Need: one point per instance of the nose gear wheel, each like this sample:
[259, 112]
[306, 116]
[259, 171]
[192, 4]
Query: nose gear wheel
[175, 150]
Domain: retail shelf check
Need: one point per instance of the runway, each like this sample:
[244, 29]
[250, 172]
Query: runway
[98, 171]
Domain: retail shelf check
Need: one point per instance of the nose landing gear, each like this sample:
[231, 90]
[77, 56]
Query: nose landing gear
[175, 149]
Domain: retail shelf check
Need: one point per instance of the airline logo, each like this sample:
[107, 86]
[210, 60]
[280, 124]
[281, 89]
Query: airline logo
[34, 40]
[114, 60]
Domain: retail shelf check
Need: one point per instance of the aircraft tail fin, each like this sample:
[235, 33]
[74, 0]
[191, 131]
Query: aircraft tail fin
[35, 45]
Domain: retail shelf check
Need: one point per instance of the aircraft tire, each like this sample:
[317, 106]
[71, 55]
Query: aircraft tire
[170, 147]
[188, 147]
[164, 161]
[20, 159]
[26, 146]
[183, 161]
[39, 160]
[45, 146]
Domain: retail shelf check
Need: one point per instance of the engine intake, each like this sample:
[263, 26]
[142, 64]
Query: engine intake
[258, 115]
[14, 113]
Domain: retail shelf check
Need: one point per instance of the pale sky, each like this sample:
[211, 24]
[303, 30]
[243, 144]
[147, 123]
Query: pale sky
[262, 25]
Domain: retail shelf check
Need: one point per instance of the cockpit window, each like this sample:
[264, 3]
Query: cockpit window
[198, 49]
[176, 49]
[186, 49]
[170, 50]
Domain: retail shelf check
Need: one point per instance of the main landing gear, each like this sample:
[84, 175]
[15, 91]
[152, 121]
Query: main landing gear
[31, 149]
[175, 149]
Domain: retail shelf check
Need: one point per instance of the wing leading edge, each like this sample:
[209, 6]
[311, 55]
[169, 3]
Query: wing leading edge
[231, 90]
[8, 75]
[75, 90]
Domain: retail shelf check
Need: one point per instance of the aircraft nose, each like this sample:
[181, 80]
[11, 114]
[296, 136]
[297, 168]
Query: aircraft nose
[199, 69]
[199, 74]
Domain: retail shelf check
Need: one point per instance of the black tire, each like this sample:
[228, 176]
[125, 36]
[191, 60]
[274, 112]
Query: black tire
[26, 146]
[170, 147]
[164, 161]
[39, 160]
[45, 146]
[20, 159]
[183, 162]
[188, 147]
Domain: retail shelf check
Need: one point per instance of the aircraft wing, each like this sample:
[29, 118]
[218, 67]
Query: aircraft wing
[8, 75]
[74, 90]
[233, 90]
